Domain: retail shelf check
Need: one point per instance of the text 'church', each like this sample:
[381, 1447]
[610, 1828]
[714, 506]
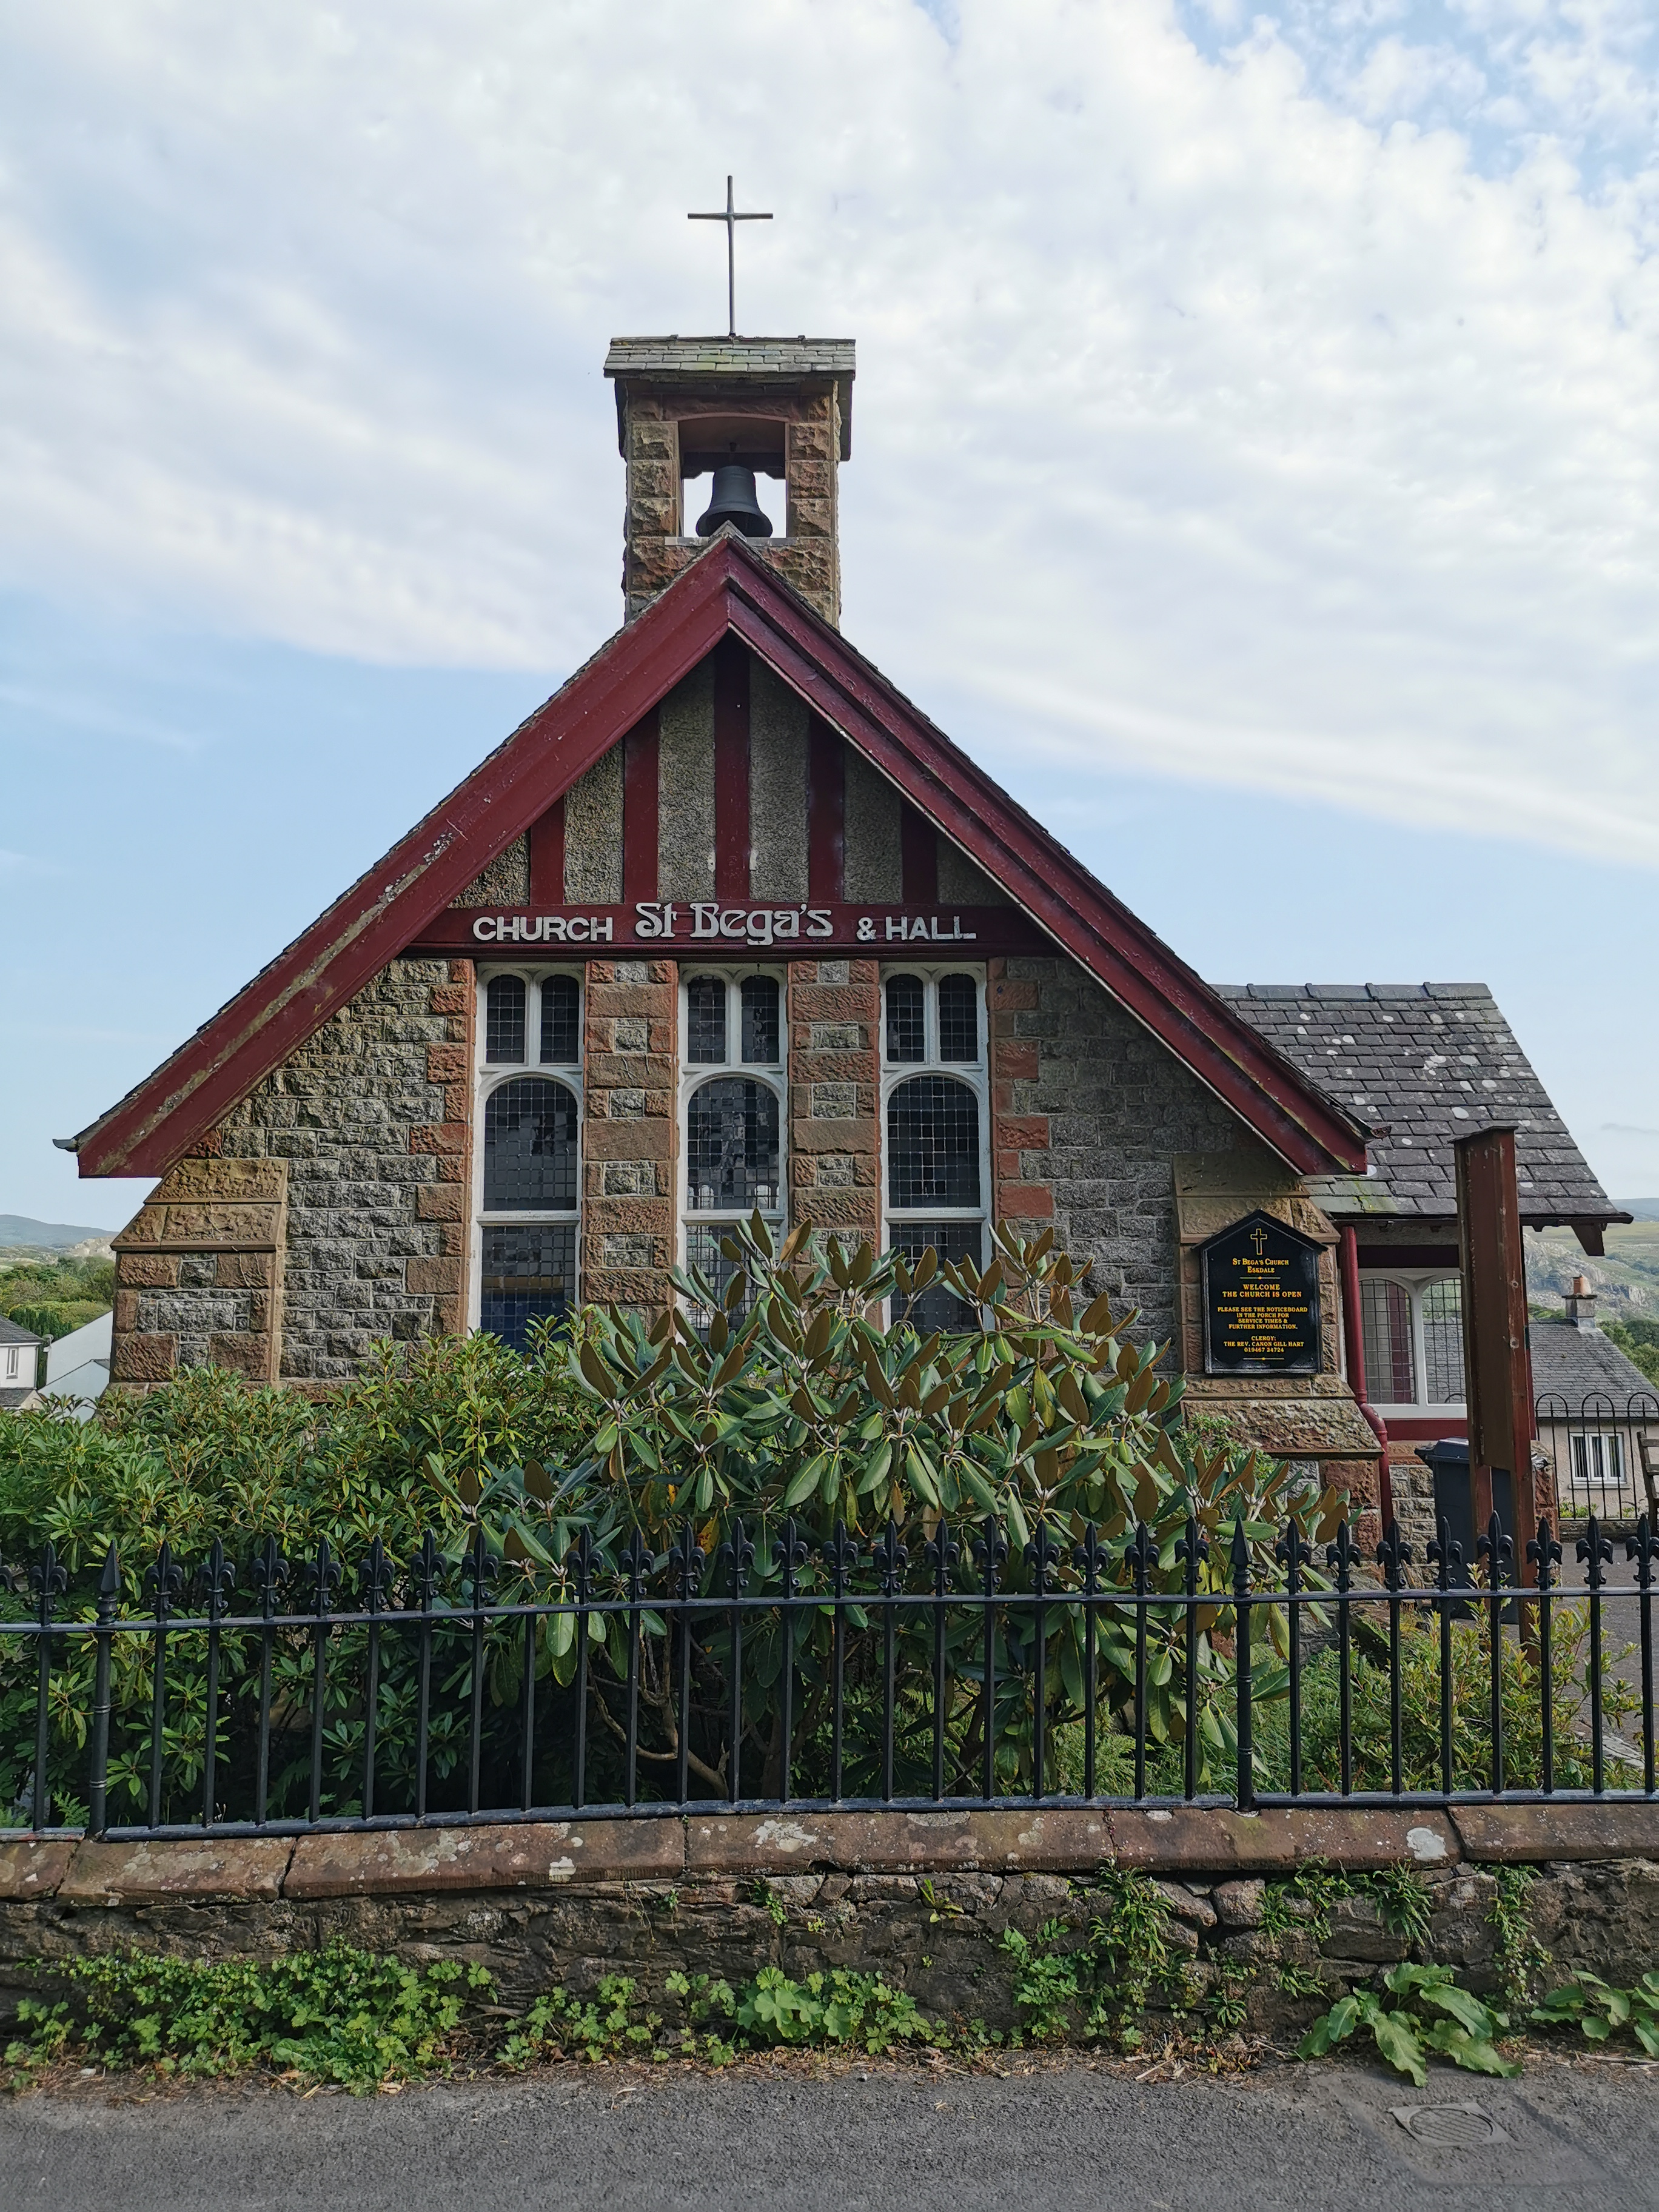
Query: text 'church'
[728, 924]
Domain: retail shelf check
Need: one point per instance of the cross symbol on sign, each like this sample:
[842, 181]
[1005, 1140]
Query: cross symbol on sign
[1259, 1238]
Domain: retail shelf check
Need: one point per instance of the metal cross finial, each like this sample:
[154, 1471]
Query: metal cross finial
[730, 216]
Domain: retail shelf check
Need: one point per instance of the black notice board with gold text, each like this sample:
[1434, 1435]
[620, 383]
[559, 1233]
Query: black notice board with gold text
[1260, 1300]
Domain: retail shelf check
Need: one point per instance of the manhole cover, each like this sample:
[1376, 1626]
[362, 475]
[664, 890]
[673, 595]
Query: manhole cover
[1449, 2127]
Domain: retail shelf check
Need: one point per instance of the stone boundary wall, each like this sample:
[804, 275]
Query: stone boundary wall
[923, 1896]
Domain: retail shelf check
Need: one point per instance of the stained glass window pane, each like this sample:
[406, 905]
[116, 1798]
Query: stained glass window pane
[529, 1275]
[705, 1020]
[562, 1000]
[906, 1035]
[1443, 1340]
[958, 1017]
[1390, 1371]
[732, 1147]
[937, 1307]
[504, 1020]
[760, 1019]
[933, 1143]
[530, 1147]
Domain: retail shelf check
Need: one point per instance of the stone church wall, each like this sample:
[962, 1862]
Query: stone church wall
[1088, 1110]
[358, 1150]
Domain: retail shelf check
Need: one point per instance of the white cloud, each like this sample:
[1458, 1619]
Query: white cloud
[1201, 421]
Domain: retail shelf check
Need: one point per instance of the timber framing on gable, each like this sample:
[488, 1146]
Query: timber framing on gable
[729, 593]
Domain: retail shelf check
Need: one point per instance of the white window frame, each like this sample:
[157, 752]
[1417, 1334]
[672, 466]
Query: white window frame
[488, 1077]
[773, 1075]
[975, 1074]
[1414, 1281]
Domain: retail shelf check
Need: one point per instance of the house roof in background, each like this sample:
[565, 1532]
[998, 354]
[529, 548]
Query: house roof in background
[727, 592]
[11, 1333]
[1422, 1064]
[1575, 1364]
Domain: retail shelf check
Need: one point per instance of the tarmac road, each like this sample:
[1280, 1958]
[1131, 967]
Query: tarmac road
[1571, 2135]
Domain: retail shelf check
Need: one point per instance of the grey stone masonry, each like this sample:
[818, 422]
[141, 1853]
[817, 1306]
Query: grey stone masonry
[372, 1115]
[1088, 1113]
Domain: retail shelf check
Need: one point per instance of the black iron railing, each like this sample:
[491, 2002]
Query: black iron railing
[770, 1671]
[1604, 1451]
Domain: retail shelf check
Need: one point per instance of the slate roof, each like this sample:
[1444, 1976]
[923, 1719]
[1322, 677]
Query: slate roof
[1421, 1064]
[10, 1332]
[14, 1402]
[1575, 1364]
[678, 356]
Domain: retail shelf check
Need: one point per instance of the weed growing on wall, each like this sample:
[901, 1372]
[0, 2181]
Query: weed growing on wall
[360, 2020]
[1428, 2012]
[1098, 1983]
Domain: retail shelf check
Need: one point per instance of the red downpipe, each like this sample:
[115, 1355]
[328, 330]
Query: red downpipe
[1353, 1344]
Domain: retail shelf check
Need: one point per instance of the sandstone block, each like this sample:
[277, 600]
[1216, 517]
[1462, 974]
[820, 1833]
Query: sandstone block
[147, 1270]
[248, 1355]
[150, 1359]
[233, 1182]
[447, 1063]
[34, 1867]
[648, 1140]
[168, 1872]
[438, 1201]
[1024, 1202]
[1022, 1132]
[1519, 1834]
[528, 1854]
[432, 1278]
[438, 1137]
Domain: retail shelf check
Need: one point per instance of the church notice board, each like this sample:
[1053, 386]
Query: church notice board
[1260, 1300]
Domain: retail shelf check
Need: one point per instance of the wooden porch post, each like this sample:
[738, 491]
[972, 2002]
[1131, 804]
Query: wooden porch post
[1497, 1364]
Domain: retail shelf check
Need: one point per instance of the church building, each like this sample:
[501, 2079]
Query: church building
[729, 924]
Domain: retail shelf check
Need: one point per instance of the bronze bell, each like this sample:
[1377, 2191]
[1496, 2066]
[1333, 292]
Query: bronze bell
[733, 500]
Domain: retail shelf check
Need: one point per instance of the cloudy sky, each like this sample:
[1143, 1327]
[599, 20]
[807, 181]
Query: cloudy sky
[1256, 461]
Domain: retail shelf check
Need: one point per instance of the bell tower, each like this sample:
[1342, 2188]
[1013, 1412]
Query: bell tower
[730, 410]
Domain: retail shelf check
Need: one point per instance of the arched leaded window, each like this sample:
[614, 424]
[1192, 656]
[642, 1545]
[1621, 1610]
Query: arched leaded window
[933, 1144]
[528, 1245]
[936, 1109]
[530, 1147]
[732, 1134]
[731, 1151]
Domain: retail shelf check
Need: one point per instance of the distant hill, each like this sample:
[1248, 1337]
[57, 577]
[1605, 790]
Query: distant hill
[51, 1235]
[1644, 1209]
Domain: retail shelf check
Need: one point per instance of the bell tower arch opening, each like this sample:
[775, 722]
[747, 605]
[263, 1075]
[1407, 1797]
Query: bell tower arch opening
[735, 468]
[749, 432]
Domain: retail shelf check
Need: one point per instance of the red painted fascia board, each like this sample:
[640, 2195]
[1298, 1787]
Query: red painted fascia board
[728, 588]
